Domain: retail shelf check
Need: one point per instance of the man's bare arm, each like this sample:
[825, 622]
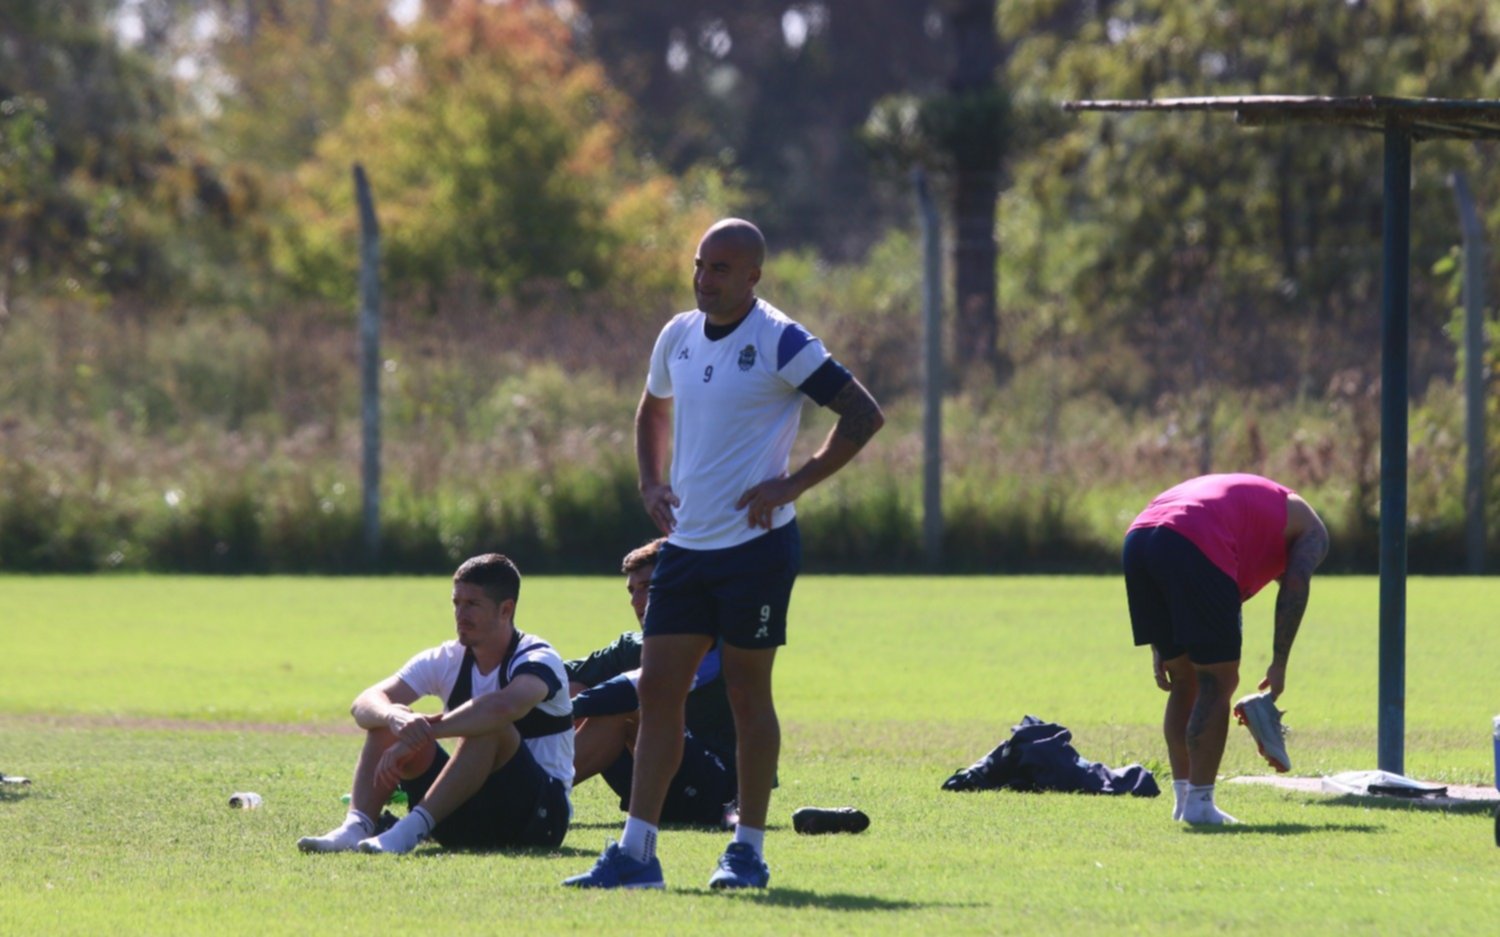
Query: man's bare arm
[376, 706]
[1308, 547]
[860, 417]
[1304, 555]
[653, 436]
[859, 420]
[488, 712]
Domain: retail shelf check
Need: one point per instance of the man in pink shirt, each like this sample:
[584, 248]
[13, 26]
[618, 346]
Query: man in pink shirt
[1192, 558]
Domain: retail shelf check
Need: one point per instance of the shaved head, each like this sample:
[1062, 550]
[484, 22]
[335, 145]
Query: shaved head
[741, 235]
[726, 269]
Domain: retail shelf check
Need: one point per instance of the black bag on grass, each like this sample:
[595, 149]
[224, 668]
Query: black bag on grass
[1039, 756]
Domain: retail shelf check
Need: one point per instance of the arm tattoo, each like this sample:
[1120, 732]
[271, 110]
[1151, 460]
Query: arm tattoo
[1306, 552]
[1291, 602]
[859, 414]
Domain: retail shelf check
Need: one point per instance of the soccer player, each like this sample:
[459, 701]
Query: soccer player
[505, 702]
[1192, 558]
[607, 702]
[722, 402]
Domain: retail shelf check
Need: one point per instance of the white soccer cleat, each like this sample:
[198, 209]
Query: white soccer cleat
[1258, 713]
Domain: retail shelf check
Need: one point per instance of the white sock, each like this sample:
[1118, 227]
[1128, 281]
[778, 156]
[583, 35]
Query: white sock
[1179, 795]
[354, 828]
[357, 820]
[755, 838]
[404, 836]
[345, 836]
[639, 839]
[1200, 807]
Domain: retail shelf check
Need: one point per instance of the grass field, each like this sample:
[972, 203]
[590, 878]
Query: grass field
[137, 704]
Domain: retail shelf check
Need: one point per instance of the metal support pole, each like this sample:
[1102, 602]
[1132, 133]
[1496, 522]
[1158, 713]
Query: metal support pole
[1394, 328]
[932, 376]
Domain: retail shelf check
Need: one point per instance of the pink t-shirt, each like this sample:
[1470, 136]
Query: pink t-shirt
[1237, 520]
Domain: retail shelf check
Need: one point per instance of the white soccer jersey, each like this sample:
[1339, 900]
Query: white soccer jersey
[735, 413]
[434, 672]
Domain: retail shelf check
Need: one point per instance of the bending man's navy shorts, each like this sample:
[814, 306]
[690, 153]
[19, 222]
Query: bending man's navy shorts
[1180, 602]
[739, 593]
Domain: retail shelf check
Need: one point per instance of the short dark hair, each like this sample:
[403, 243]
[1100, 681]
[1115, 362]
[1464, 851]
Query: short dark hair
[494, 573]
[642, 556]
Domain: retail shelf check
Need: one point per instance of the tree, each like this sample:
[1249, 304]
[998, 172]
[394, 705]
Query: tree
[26, 156]
[284, 74]
[103, 188]
[496, 153]
[960, 134]
[775, 91]
[968, 125]
[1183, 236]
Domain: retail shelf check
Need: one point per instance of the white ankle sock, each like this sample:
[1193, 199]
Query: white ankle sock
[1200, 807]
[639, 839]
[342, 838]
[408, 831]
[1179, 795]
[356, 819]
[749, 834]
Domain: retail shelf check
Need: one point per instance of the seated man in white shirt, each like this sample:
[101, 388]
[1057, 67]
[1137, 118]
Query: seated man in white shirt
[506, 703]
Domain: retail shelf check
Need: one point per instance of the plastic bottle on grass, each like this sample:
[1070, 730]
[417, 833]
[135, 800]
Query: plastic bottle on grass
[244, 800]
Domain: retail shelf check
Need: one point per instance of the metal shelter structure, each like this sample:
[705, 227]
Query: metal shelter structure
[1402, 121]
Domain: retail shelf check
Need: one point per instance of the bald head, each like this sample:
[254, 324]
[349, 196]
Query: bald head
[727, 268]
[739, 234]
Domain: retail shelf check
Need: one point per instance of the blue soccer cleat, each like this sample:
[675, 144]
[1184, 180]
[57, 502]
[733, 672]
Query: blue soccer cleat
[740, 867]
[615, 869]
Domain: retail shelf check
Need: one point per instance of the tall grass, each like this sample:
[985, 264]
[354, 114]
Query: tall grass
[228, 441]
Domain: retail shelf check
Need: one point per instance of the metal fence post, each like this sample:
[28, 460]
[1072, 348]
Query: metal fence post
[1474, 373]
[369, 361]
[932, 375]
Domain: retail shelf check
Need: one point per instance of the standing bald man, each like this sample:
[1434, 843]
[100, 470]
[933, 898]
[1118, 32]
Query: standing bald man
[721, 407]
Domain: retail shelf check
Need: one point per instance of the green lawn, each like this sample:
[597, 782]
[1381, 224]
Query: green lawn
[138, 704]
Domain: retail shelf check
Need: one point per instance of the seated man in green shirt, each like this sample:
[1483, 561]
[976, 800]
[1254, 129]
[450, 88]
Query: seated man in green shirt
[607, 709]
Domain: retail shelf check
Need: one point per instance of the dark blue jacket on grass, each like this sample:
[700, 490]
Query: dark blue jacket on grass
[1039, 756]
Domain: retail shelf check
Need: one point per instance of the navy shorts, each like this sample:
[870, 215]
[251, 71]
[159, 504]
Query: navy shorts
[703, 784]
[519, 805]
[1180, 602]
[739, 593]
